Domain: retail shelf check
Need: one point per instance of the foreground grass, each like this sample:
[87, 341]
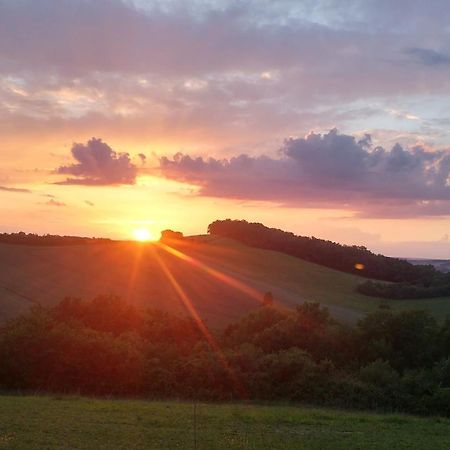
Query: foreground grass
[83, 423]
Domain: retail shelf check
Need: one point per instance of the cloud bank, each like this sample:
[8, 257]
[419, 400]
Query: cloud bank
[97, 164]
[329, 170]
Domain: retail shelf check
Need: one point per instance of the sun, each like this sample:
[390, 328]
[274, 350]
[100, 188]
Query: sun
[143, 235]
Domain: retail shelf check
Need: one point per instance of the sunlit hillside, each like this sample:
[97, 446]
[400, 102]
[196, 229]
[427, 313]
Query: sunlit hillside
[219, 279]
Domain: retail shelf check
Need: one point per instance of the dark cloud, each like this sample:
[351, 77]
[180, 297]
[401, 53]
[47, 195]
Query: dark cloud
[98, 164]
[430, 57]
[331, 170]
[89, 203]
[17, 190]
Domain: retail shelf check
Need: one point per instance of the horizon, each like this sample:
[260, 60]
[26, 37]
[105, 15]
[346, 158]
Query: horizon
[324, 118]
[140, 236]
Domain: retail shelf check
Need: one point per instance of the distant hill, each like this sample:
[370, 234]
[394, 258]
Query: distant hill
[347, 258]
[219, 278]
[405, 280]
[442, 265]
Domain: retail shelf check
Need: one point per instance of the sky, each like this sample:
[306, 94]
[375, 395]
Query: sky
[322, 117]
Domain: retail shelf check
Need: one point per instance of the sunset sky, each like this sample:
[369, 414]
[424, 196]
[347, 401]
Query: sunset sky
[324, 117]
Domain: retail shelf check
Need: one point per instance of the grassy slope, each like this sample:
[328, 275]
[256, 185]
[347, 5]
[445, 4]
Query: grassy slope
[79, 423]
[135, 272]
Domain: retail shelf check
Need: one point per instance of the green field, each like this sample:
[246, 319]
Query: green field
[223, 280]
[81, 423]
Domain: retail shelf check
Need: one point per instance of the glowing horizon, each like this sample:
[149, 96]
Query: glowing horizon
[320, 125]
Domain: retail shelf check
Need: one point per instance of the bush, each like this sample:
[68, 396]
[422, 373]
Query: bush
[105, 346]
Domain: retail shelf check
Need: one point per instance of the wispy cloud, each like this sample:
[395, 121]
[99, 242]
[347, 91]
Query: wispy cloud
[16, 190]
[53, 202]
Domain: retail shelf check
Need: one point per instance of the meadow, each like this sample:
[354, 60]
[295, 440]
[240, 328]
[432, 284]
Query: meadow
[223, 279]
[41, 422]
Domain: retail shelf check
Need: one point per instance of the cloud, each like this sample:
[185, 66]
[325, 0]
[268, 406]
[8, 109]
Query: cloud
[17, 190]
[53, 202]
[266, 67]
[77, 36]
[97, 164]
[329, 170]
[265, 70]
[89, 203]
[430, 57]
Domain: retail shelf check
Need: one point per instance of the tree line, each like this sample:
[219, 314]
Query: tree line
[414, 281]
[439, 288]
[22, 238]
[389, 361]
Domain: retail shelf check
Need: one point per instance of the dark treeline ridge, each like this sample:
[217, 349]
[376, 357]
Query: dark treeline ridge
[22, 238]
[389, 361]
[417, 281]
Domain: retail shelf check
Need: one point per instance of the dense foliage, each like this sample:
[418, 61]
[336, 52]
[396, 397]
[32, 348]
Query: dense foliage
[22, 238]
[416, 281]
[105, 346]
[170, 235]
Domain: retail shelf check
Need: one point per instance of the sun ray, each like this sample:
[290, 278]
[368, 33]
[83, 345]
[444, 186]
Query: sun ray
[202, 327]
[134, 273]
[227, 279]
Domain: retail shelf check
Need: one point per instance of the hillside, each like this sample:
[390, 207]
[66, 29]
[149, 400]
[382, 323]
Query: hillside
[221, 278]
[78, 423]
[354, 259]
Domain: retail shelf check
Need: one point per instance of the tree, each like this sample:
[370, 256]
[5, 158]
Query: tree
[170, 235]
[268, 299]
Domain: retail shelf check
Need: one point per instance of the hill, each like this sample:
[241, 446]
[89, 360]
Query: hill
[439, 264]
[78, 423]
[220, 278]
[354, 259]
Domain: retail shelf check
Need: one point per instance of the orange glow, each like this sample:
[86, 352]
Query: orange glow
[143, 235]
[236, 284]
[359, 266]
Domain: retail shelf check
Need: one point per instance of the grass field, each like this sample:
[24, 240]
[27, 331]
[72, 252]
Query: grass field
[34, 423]
[222, 279]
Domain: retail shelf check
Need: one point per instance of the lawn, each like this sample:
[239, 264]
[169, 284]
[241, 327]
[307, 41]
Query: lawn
[62, 422]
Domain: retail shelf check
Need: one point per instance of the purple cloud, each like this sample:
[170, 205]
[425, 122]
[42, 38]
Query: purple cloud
[329, 170]
[265, 66]
[98, 164]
